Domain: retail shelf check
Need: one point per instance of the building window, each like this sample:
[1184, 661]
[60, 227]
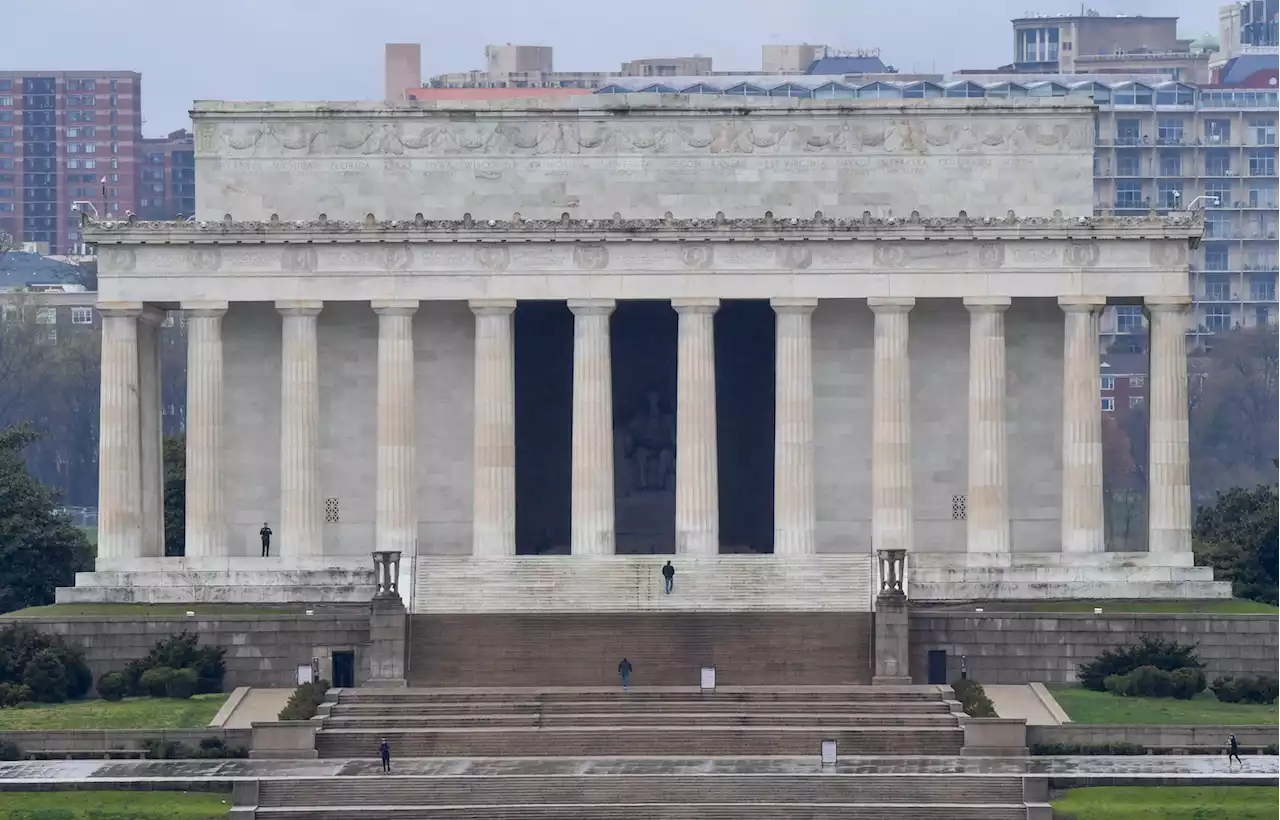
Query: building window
[1170, 164]
[1169, 193]
[1136, 382]
[1263, 131]
[1128, 165]
[1217, 225]
[1128, 194]
[1217, 258]
[1169, 131]
[1217, 318]
[1217, 132]
[81, 316]
[1128, 319]
[1262, 290]
[1262, 162]
[1137, 401]
[1221, 191]
[1108, 383]
[1262, 316]
[1108, 404]
[47, 316]
[47, 335]
[1128, 132]
[1217, 289]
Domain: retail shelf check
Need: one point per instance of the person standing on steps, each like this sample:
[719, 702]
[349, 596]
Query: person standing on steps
[668, 577]
[265, 532]
[624, 672]
[384, 751]
[1233, 751]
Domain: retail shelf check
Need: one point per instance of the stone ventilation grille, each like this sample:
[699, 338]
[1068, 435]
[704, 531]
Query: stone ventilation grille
[331, 511]
[959, 508]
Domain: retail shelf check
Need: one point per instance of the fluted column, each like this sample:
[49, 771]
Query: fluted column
[300, 535]
[494, 493]
[1169, 473]
[592, 525]
[396, 516]
[1082, 517]
[892, 526]
[987, 507]
[697, 473]
[151, 431]
[794, 513]
[206, 524]
[119, 435]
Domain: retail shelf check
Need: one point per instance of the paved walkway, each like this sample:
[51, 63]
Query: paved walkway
[1021, 702]
[1257, 768]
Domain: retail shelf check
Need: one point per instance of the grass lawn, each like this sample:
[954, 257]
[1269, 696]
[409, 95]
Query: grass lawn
[1170, 803]
[138, 805]
[1087, 706]
[155, 610]
[130, 713]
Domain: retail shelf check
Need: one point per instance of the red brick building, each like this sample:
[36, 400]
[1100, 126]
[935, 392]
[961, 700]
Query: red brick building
[167, 176]
[66, 137]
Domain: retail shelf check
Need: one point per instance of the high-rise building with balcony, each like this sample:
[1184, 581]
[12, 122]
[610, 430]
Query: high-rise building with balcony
[66, 137]
[167, 176]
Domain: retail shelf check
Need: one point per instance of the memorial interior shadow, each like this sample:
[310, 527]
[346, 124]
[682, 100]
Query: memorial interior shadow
[544, 426]
[644, 351]
[643, 341]
[744, 424]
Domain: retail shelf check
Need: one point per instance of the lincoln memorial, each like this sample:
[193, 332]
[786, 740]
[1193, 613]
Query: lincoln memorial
[540, 347]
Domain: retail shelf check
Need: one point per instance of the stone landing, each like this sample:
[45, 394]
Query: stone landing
[1056, 576]
[724, 583]
[348, 579]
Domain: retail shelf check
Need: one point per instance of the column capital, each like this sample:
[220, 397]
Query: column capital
[987, 304]
[695, 305]
[793, 304]
[299, 307]
[153, 315]
[492, 307]
[891, 304]
[127, 310]
[592, 307]
[1081, 304]
[394, 307]
[205, 310]
[1167, 304]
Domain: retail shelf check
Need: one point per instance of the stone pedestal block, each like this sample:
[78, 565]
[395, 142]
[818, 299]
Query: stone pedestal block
[892, 642]
[388, 625]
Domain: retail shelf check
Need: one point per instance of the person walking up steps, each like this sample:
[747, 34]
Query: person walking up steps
[1233, 751]
[669, 577]
[384, 751]
[624, 672]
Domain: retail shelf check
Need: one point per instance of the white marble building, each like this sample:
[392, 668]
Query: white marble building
[352, 289]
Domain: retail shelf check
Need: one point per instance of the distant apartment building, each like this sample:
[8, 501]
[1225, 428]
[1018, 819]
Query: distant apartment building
[167, 176]
[532, 69]
[66, 137]
[1090, 43]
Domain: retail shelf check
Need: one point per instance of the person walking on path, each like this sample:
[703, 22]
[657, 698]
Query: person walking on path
[669, 577]
[1233, 751]
[265, 532]
[384, 751]
[624, 672]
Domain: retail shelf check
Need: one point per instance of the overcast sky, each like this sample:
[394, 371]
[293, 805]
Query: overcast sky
[332, 49]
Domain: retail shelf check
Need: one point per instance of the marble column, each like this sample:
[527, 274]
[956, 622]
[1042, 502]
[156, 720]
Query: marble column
[697, 473]
[300, 510]
[1169, 474]
[892, 526]
[592, 526]
[206, 524]
[396, 515]
[794, 513]
[494, 491]
[119, 435]
[151, 431]
[987, 505]
[1082, 518]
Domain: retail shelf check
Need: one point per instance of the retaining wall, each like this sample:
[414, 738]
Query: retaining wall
[1164, 737]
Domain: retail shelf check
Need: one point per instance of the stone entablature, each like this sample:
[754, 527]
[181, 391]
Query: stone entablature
[619, 258]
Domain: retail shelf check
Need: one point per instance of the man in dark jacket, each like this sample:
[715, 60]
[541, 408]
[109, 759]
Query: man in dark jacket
[384, 751]
[624, 672]
[1233, 751]
[265, 532]
[668, 577]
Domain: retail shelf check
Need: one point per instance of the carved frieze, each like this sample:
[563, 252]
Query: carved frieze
[1172, 255]
[204, 258]
[299, 258]
[591, 257]
[1081, 254]
[697, 256]
[117, 258]
[496, 258]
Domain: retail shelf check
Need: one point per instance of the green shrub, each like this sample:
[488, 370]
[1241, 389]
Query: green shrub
[973, 698]
[1187, 683]
[1259, 689]
[46, 675]
[1272, 749]
[1164, 655]
[20, 645]
[162, 749]
[112, 686]
[14, 694]
[180, 651]
[1070, 749]
[181, 683]
[154, 682]
[305, 701]
[209, 748]
[9, 750]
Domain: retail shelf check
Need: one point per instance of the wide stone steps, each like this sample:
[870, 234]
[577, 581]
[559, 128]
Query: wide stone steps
[454, 721]
[661, 811]
[628, 741]
[723, 583]
[680, 789]
[906, 708]
[449, 697]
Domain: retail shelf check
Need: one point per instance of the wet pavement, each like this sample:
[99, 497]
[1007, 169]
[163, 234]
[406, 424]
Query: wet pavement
[1259, 768]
